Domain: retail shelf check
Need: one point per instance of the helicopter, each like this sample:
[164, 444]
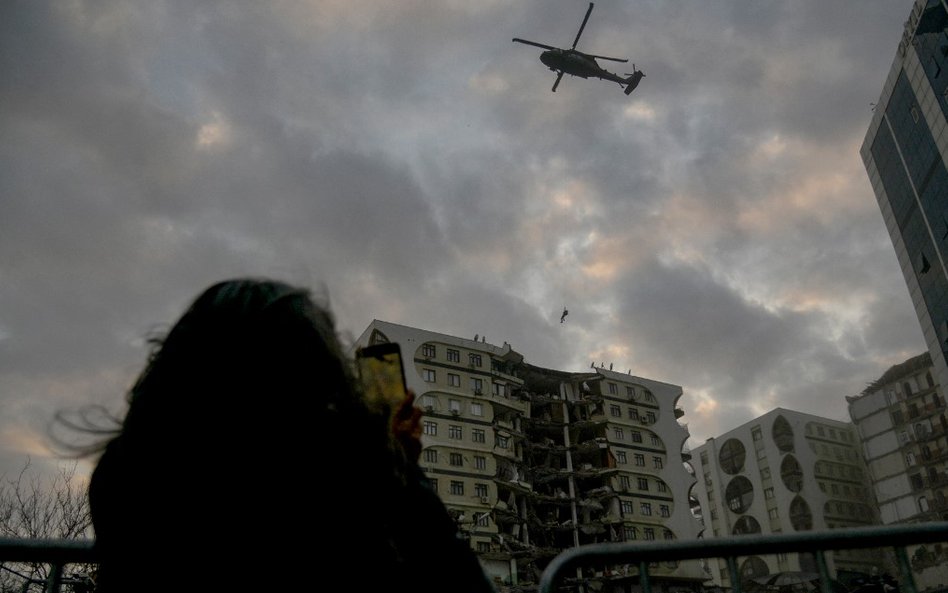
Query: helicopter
[576, 63]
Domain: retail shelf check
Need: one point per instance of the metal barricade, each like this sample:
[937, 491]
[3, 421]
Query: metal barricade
[896, 537]
[54, 553]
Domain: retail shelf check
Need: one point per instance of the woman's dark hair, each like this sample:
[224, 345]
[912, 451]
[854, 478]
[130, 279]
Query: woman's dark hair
[244, 431]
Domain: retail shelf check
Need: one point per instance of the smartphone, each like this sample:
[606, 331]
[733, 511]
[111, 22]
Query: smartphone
[382, 375]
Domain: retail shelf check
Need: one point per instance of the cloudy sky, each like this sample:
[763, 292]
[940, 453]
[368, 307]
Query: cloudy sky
[715, 229]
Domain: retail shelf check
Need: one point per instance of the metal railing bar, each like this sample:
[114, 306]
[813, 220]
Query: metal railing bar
[645, 581]
[884, 536]
[732, 572]
[823, 568]
[47, 551]
[55, 577]
[905, 568]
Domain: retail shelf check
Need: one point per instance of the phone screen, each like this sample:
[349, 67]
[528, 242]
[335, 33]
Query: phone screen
[382, 375]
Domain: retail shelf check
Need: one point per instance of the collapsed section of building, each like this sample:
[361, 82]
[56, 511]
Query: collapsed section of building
[533, 461]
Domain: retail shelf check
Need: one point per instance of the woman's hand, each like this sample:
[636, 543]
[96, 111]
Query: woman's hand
[406, 426]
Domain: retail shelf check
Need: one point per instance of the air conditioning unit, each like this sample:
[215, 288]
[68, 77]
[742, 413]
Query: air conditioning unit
[429, 409]
[455, 412]
[485, 499]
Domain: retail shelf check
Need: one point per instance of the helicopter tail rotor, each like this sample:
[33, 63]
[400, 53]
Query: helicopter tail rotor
[633, 80]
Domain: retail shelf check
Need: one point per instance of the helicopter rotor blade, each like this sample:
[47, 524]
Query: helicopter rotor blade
[583, 26]
[559, 75]
[607, 58]
[518, 40]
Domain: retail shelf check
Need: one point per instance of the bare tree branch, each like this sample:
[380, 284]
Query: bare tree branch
[38, 507]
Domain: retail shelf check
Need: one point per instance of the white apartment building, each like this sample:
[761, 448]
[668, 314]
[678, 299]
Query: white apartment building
[533, 461]
[783, 472]
[903, 429]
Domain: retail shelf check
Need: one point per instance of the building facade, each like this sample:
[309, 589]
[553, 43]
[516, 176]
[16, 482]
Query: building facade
[784, 472]
[533, 461]
[902, 425]
[904, 153]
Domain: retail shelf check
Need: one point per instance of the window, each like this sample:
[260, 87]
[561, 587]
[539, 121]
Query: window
[500, 389]
[773, 513]
[457, 460]
[643, 484]
[483, 520]
[649, 397]
[662, 487]
[640, 460]
[664, 511]
[620, 457]
[636, 436]
[428, 350]
[769, 493]
[646, 509]
[655, 440]
[627, 507]
[477, 409]
[756, 434]
[503, 442]
[657, 461]
[480, 462]
[625, 483]
[454, 355]
[483, 546]
[455, 432]
[669, 535]
[457, 487]
[475, 360]
[618, 433]
[613, 389]
[428, 401]
[478, 435]
[615, 411]
[430, 428]
[454, 380]
[428, 375]
[650, 417]
[480, 490]
[630, 533]
[765, 472]
[433, 482]
[477, 385]
[431, 456]
[820, 431]
[630, 391]
[455, 406]
[649, 533]
[634, 413]
[833, 433]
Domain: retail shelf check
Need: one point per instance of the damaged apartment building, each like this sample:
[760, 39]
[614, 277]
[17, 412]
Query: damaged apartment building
[533, 461]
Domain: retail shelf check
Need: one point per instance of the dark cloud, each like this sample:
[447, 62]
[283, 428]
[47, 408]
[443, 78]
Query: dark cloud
[412, 162]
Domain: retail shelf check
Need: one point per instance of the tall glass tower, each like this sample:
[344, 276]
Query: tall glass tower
[905, 154]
